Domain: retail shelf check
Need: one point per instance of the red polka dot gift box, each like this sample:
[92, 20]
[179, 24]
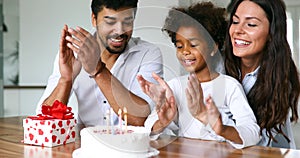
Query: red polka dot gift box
[55, 126]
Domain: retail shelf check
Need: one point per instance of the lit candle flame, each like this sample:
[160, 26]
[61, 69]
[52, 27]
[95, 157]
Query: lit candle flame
[120, 119]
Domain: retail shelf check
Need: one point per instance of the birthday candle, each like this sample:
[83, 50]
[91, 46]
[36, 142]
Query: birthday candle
[107, 120]
[125, 118]
[112, 120]
[120, 119]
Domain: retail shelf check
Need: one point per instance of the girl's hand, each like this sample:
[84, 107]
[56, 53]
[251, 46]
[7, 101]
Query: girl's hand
[159, 93]
[194, 96]
[167, 112]
[213, 116]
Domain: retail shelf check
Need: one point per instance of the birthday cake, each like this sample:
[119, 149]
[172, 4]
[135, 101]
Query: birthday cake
[114, 142]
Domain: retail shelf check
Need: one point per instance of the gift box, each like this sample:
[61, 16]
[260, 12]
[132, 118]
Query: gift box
[55, 126]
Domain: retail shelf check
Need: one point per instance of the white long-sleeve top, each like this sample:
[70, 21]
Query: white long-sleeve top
[231, 101]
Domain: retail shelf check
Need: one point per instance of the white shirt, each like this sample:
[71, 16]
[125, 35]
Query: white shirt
[231, 101]
[248, 83]
[140, 57]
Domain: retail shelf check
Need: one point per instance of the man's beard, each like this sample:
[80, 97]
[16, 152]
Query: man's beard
[115, 52]
[112, 51]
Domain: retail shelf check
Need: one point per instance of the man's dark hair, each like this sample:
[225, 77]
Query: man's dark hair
[98, 5]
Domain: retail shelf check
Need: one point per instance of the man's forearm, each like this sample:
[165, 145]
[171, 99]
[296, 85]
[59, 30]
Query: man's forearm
[61, 92]
[118, 97]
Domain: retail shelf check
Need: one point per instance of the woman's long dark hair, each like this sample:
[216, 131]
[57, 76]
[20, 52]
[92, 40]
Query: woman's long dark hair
[277, 88]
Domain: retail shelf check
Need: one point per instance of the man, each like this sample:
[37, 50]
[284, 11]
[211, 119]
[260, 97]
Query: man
[101, 69]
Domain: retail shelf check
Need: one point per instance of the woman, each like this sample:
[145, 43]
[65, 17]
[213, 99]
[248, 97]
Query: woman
[258, 55]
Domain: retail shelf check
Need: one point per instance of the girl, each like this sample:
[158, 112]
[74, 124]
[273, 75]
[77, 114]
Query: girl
[181, 109]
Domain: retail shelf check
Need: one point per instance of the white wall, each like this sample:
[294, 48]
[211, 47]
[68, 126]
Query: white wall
[40, 24]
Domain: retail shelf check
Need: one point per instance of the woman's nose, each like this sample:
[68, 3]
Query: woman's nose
[238, 29]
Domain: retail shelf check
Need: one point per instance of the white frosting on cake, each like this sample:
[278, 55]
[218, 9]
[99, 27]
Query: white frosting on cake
[98, 140]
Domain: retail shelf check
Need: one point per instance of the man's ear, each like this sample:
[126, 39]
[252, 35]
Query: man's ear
[94, 20]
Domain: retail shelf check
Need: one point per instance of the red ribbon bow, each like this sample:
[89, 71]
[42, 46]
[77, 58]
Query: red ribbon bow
[57, 111]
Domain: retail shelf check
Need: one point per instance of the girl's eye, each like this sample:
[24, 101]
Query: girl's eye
[178, 47]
